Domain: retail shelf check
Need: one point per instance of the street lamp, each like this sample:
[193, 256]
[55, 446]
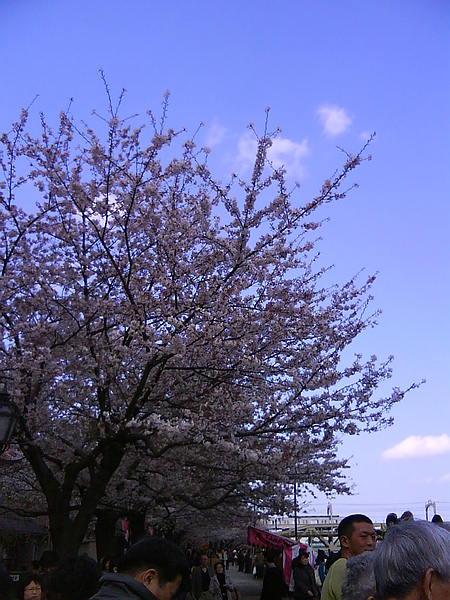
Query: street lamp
[8, 420]
[295, 511]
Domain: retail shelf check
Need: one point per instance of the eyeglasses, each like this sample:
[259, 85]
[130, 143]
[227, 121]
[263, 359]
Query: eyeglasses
[34, 588]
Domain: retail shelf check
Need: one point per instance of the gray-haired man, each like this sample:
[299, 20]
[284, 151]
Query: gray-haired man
[413, 563]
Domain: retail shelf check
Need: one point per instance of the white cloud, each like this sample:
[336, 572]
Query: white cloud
[283, 152]
[417, 446]
[247, 146]
[444, 478]
[365, 135]
[215, 135]
[334, 120]
[290, 154]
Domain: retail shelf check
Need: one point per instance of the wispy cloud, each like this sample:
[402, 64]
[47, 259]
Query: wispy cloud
[444, 478]
[247, 146]
[417, 446]
[283, 152]
[334, 119]
[365, 135]
[215, 134]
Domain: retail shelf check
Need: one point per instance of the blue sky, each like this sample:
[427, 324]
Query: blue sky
[332, 73]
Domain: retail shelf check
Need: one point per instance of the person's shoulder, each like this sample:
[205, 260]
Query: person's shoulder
[339, 565]
[334, 579]
[338, 574]
[338, 570]
[119, 586]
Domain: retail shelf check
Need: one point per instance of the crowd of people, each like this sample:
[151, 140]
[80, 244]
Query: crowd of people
[411, 562]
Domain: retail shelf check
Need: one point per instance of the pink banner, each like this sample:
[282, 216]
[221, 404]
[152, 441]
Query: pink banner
[289, 555]
[265, 539]
[287, 566]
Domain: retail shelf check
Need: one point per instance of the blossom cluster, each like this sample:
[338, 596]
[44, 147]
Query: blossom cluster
[166, 338]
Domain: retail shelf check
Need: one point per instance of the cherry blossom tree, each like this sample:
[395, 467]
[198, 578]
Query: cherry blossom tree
[167, 338]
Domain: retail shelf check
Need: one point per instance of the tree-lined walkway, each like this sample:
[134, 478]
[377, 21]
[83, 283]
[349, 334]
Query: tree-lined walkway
[249, 588]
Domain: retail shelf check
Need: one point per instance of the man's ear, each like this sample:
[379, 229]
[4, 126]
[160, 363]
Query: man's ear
[428, 584]
[345, 542]
[431, 585]
[146, 577]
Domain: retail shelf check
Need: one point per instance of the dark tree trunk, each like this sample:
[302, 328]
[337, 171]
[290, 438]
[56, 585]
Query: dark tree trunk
[105, 533]
[68, 526]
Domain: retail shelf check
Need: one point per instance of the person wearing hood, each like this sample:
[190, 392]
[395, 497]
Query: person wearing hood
[305, 587]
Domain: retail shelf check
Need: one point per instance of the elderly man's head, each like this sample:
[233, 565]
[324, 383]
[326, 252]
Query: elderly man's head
[413, 563]
[359, 582]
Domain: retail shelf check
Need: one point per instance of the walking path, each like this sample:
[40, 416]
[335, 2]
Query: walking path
[249, 588]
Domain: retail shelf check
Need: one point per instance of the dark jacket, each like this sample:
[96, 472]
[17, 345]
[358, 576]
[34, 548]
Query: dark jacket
[6, 584]
[304, 580]
[117, 586]
[332, 558]
[274, 586]
[196, 580]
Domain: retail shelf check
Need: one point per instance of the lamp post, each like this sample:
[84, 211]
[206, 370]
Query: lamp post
[295, 511]
[8, 419]
[428, 505]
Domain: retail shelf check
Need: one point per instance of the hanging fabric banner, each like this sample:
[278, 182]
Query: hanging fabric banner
[265, 539]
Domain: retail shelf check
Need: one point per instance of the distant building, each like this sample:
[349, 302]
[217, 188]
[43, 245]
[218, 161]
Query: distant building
[21, 541]
[317, 531]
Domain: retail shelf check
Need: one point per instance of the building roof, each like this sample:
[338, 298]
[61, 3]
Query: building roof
[21, 525]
